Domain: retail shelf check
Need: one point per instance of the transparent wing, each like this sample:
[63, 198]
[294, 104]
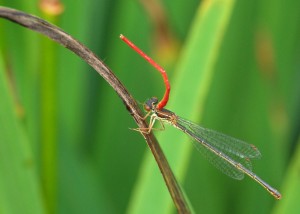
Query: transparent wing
[223, 151]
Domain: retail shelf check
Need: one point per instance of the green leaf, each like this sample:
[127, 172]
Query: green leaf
[20, 190]
[291, 186]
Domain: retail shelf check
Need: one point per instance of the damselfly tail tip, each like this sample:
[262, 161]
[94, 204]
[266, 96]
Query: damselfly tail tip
[277, 196]
[121, 36]
[275, 193]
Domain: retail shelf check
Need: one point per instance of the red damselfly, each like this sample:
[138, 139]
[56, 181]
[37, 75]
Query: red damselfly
[228, 154]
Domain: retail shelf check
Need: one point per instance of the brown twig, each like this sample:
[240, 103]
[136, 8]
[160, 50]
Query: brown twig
[56, 34]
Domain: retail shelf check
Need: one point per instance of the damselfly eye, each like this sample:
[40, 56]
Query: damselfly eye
[150, 104]
[153, 101]
[147, 107]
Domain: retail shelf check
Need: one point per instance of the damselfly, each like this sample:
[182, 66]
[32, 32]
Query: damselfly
[230, 155]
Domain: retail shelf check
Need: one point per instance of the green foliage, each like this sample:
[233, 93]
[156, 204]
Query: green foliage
[65, 142]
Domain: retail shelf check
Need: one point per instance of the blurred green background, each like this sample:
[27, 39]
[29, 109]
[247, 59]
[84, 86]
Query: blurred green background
[65, 142]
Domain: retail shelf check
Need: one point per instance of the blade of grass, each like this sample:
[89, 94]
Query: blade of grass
[19, 187]
[291, 187]
[48, 118]
[191, 83]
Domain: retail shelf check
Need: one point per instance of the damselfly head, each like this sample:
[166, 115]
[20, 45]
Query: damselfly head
[150, 105]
